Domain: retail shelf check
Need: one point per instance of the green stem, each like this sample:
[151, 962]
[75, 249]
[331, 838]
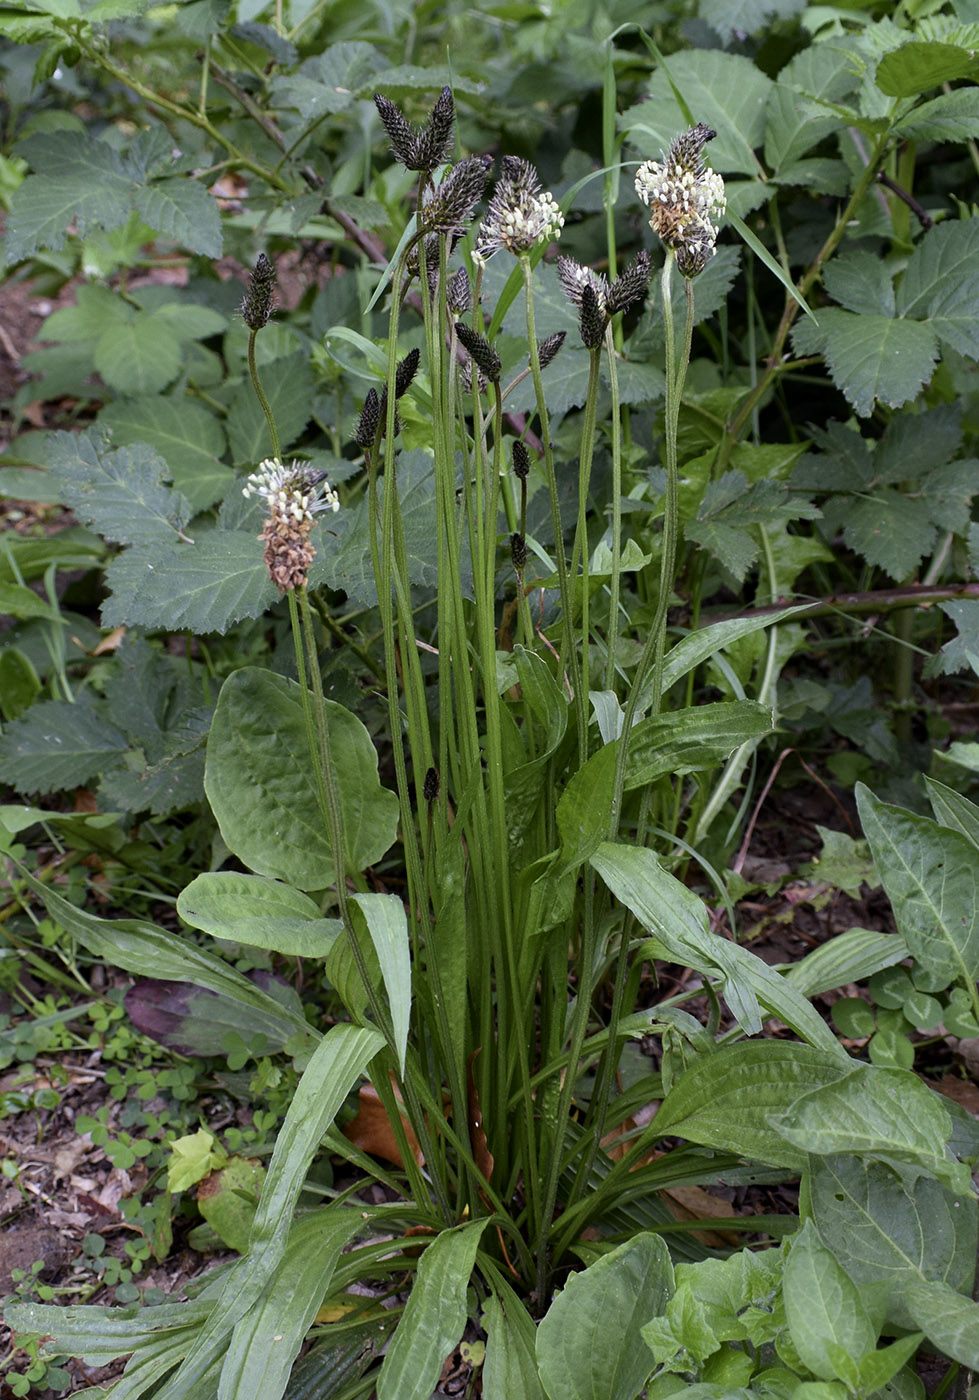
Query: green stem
[260, 395]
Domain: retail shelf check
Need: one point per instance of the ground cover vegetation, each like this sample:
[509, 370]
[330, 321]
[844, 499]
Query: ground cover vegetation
[475, 462]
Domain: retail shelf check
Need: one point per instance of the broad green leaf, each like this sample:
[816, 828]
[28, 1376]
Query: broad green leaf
[510, 1369]
[589, 1342]
[288, 386]
[183, 209]
[78, 181]
[101, 1334]
[118, 491]
[954, 810]
[266, 1341]
[892, 1226]
[870, 357]
[20, 602]
[678, 919]
[434, 1317]
[727, 1100]
[142, 948]
[952, 117]
[187, 436]
[823, 1309]
[387, 925]
[265, 913]
[950, 1319]
[931, 877]
[337, 1063]
[201, 587]
[138, 356]
[724, 90]
[849, 957]
[58, 745]
[20, 684]
[941, 284]
[919, 66]
[259, 781]
[227, 1200]
[875, 1111]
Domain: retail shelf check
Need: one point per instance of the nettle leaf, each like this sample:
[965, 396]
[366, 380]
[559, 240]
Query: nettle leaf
[184, 210]
[201, 587]
[724, 90]
[870, 357]
[919, 66]
[138, 356]
[120, 492]
[860, 281]
[941, 283]
[889, 530]
[288, 385]
[79, 181]
[732, 510]
[185, 433]
[961, 653]
[60, 745]
[85, 184]
[952, 117]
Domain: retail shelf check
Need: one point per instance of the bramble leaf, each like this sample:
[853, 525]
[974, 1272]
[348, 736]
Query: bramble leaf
[871, 357]
[941, 283]
[120, 492]
[59, 745]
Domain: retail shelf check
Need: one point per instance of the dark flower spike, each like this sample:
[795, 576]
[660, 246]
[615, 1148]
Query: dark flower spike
[449, 209]
[258, 304]
[422, 150]
[405, 373]
[435, 138]
[370, 420]
[631, 286]
[480, 351]
[521, 461]
[592, 319]
[430, 787]
[518, 551]
[548, 348]
[574, 279]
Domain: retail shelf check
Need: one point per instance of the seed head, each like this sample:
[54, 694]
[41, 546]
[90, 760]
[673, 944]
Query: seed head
[423, 149]
[684, 198]
[592, 318]
[369, 422]
[630, 286]
[294, 495]
[405, 373]
[520, 214]
[259, 303]
[459, 293]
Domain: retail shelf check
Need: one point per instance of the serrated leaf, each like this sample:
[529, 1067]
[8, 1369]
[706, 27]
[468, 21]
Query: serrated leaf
[186, 434]
[78, 181]
[890, 531]
[871, 358]
[745, 16]
[203, 587]
[59, 745]
[288, 385]
[120, 491]
[860, 282]
[793, 126]
[173, 784]
[181, 208]
[727, 91]
[941, 282]
[959, 653]
[952, 117]
[138, 356]
[731, 512]
[920, 66]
